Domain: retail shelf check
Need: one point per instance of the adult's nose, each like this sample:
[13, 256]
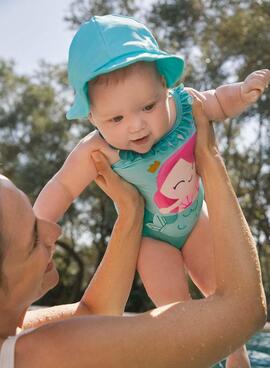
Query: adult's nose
[49, 232]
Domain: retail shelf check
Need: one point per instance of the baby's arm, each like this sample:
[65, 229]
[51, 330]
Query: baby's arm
[77, 172]
[230, 100]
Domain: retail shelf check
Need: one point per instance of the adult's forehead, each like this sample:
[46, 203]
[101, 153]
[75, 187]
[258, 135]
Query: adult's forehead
[14, 208]
[7, 190]
[12, 200]
[4, 180]
[7, 193]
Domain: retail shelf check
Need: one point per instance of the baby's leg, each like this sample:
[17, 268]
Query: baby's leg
[198, 255]
[161, 269]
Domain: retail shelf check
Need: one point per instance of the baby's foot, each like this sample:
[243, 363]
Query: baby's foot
[238, 359]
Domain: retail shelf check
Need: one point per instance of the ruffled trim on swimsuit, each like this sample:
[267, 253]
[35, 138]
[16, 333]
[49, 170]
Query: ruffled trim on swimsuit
[183, 102]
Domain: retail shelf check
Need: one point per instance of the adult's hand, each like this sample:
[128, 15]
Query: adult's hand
[206, 145]
[121, 192]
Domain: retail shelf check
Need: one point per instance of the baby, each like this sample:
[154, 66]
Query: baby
[124, 84]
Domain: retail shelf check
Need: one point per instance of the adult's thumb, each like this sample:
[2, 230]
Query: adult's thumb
[100, 161]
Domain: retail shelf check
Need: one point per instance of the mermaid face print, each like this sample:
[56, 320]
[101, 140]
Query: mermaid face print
[177, 180]
[181, 184]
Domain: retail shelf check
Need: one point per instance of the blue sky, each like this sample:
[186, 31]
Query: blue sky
[31, 30]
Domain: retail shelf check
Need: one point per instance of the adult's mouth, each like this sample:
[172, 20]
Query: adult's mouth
[50, 266]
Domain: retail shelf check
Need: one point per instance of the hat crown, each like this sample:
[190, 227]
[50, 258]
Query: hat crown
[109, 42]
[104, 38]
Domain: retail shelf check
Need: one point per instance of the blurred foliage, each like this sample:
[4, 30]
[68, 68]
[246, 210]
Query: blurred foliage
[222, 41]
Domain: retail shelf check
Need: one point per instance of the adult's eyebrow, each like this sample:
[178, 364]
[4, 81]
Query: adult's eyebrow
[33, 235]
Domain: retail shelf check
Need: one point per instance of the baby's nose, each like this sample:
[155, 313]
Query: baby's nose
[136, 125]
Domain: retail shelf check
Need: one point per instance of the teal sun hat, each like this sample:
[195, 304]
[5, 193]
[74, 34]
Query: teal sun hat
[106, 43]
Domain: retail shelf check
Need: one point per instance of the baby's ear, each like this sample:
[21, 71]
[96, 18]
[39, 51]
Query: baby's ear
[90, 118]
[163, 81]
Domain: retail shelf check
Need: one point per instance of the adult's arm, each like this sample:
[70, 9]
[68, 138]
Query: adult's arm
[191, 334]
[108, 291]
[110, 287]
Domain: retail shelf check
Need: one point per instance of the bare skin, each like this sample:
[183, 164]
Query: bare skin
[195, 333]
[30, 272]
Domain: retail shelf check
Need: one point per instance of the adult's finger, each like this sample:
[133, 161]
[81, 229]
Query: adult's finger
[201, 119]
[105, 173]
[205, 142]
[101, 162]
[103, 165]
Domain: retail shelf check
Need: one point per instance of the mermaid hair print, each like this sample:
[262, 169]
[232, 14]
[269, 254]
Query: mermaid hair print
[167, 176]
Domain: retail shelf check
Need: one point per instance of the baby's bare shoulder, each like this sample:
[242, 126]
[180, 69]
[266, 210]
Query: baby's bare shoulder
[92, 142]
[92, 139]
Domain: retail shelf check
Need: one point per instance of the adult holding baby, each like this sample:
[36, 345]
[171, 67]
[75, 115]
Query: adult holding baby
[128, 89]
[196, 333]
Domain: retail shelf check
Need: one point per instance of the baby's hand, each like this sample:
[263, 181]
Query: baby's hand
[254, 85]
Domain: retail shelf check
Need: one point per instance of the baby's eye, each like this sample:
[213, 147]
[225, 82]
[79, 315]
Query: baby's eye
[116, 119]
[149, 107]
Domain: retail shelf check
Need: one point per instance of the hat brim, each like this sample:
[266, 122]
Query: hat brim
[169, 66]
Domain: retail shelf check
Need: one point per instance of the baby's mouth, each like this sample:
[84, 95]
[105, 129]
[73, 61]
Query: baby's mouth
[142, 140]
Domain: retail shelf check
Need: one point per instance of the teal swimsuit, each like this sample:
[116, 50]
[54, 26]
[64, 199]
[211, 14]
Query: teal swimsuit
[168, 216]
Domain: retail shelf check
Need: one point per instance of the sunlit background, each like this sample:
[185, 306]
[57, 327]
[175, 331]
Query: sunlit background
[221, 40]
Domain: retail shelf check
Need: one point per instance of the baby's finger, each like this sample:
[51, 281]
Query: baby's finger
[265, 73]
[254, 95]
[258, 83]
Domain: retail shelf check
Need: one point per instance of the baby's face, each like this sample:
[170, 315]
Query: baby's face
[132, 113]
